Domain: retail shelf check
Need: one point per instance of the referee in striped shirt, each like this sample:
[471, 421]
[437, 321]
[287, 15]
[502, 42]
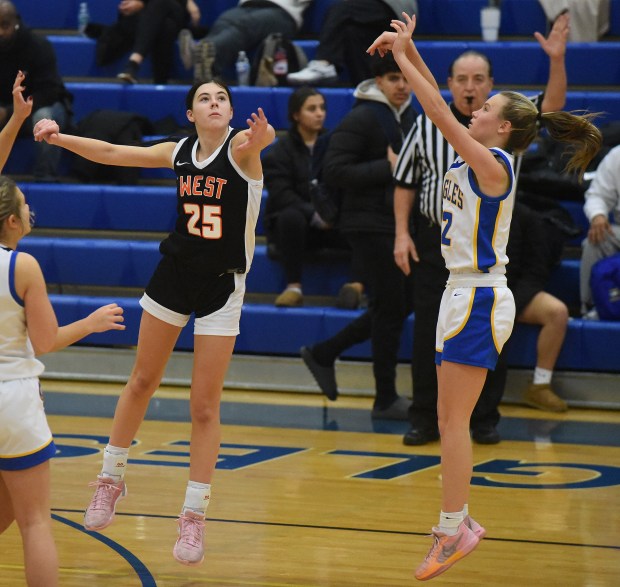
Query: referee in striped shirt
[419, 172]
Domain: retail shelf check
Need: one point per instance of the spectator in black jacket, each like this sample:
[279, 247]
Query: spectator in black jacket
[359, 161]
[23, 50]
[533, 252]
[292, 222]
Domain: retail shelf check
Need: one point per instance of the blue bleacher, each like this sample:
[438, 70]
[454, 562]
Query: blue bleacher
[593, 64]
[159, 102]
[436, 17]
[266, 330]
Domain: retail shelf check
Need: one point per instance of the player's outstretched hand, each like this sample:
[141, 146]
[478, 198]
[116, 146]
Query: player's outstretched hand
[109, 317]
[21, 107]
[257, 135]
[46, 130]
[404, 30]
[382, 44]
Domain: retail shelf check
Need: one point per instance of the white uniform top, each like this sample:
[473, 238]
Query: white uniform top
[475, 227]
[17, 360]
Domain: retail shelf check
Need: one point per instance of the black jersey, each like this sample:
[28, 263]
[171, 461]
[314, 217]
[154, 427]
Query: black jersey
[217, 209]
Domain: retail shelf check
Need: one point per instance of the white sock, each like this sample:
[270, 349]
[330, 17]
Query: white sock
[449, 522]
[542, 376]
[114, 462]
[197, 496]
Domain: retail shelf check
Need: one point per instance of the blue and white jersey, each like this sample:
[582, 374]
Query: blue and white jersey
[17, 359]
[475, 227]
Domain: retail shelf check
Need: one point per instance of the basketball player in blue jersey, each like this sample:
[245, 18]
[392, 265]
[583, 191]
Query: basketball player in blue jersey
[202, 272]
[477, 309]
[28, 325]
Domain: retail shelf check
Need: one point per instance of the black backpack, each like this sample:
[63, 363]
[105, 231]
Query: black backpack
[274, 58]
[121, 128]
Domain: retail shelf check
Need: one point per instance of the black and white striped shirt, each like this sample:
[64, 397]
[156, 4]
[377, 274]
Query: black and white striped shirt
[424, 159]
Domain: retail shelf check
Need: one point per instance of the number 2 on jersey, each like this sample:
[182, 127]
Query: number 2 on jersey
[447, 218]
[208, 217]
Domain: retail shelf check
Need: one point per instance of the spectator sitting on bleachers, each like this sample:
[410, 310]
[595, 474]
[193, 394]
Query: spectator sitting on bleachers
[532, 256]
[144, 27]
[292, 222]
[241, 28]
[23, 50]
[359, 161]
[349, 27]
[602, 198]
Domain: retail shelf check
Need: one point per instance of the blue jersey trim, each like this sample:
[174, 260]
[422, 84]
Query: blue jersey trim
[482, 195]
[12, 279]
[45, 453]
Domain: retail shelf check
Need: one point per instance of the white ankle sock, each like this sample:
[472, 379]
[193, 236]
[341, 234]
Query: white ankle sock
[197, 496]
[542, 376]
[449, 522]
[114, 462]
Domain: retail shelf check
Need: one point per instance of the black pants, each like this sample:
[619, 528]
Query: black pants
[348, 30]
[151, 31]
[295, 239]
[430, 276]
[389, 292]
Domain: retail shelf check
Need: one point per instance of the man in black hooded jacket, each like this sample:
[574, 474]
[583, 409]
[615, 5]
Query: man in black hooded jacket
[359, 161]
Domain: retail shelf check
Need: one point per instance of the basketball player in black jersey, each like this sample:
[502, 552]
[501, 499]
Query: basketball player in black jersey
[202, 272]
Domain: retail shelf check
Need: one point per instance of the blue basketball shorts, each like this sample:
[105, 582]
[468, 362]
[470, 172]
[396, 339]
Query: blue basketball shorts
[474, 324]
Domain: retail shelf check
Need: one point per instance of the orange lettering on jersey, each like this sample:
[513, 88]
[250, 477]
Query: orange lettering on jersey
[199, 185]
[208, 189]
[185, 185]
[220, 184]
[196, 191]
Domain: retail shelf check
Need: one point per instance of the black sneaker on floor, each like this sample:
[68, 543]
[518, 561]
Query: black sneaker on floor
[486, 435]
[420, 436]
[324, 376]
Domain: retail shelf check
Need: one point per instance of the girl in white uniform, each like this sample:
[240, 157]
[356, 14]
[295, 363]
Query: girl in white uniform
[28, 326]
[477, 309]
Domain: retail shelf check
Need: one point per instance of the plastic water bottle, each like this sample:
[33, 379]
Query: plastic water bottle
[243, 69]
[83, 18]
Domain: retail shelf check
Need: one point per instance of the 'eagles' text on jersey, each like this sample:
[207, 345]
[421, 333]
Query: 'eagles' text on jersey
[217, 210]
[475, 227]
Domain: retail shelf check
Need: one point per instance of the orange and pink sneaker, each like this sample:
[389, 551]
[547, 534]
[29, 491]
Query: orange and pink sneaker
[189, 548]
[477, 529]
[100, 511]
[446, 550]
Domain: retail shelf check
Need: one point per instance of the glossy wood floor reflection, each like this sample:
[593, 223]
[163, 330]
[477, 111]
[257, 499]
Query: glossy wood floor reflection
[310, 494]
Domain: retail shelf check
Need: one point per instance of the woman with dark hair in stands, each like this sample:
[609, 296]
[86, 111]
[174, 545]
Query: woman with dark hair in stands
[28, 326]
[202, 272]
[477, 309]
[294, 226]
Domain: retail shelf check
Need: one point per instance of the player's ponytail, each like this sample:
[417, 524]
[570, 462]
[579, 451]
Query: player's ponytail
[568, 127]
